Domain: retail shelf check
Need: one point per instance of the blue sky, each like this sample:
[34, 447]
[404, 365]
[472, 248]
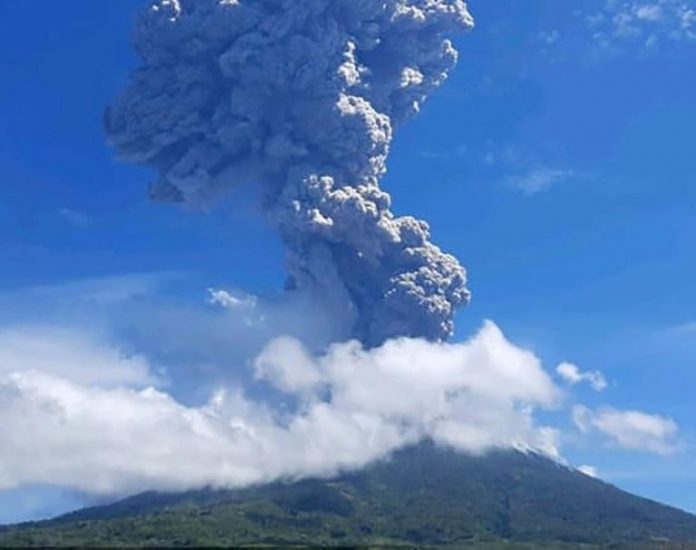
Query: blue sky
[556, 163]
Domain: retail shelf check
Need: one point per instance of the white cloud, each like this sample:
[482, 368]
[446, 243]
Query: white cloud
[354, 406]
[287, 363]
[649, 12]
[230, 300]
[590, 471]
[633, 430]
[540, 179]
[573, 376]
[237, 405]
[644, 22]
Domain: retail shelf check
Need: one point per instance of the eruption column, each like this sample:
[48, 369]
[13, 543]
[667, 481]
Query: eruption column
[302, 97]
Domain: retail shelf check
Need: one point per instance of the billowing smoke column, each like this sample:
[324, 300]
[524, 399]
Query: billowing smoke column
[301, 97]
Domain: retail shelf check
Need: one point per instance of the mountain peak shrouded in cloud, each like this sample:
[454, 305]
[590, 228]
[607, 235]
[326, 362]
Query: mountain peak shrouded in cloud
[301, 98]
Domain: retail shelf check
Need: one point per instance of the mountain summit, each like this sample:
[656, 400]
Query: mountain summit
[421, 496]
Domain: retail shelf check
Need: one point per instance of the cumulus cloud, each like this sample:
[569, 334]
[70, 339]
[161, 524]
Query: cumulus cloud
[353, 406]
[302, 98]
[141, 393]
[644, 22]
[633, 430]
[573, 376]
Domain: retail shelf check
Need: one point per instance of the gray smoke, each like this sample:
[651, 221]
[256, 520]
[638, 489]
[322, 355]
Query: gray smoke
[301, 97]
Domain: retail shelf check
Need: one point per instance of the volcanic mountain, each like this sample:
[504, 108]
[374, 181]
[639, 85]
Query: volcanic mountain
[423, 496]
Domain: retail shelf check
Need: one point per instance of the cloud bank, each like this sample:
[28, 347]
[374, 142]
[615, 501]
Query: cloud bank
[120, 390]
[351, 406]
[301, 99]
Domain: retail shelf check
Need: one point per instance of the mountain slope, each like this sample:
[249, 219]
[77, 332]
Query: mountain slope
[422, 496]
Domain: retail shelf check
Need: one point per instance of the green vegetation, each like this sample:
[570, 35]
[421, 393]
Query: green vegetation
[424, 497]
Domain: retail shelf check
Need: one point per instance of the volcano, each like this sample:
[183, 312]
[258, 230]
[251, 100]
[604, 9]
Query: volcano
[422, 496]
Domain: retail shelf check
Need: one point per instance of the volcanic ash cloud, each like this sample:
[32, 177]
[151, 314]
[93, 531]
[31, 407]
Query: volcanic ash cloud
[301, 98]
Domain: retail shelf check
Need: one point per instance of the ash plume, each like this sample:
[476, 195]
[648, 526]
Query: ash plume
[302, 98]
